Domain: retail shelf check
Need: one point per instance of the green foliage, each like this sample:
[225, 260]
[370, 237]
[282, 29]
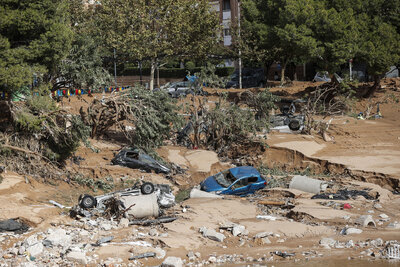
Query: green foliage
[174, 72]
[208, 77]
[262, 103]
[155, 115]
[34, 37]
[105, 185]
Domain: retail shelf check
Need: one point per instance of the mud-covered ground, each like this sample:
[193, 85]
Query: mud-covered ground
[363, 155]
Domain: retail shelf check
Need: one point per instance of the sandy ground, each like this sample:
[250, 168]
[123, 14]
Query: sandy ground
[366, 145]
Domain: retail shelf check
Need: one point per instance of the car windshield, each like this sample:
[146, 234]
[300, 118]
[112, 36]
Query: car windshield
[221, 180]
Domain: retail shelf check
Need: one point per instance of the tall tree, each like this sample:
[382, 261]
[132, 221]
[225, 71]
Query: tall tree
[34, 37]
[284, 29]
[153, 29]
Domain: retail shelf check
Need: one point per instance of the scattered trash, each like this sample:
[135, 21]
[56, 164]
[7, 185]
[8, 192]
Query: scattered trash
[343, 195]
[307, 184]
[365, 220]
[266, 217]
[283, 254]
[240, 181]
[144, 255]
[393, 252]
[105, 239]
[160, 220]
[13, 225]
[137, 159]
[58, 204]
[347, 206]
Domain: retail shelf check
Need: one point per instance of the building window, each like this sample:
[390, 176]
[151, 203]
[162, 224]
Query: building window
[226, 5]
[227, 32]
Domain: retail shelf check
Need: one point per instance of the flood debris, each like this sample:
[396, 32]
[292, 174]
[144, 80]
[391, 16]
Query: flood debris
[136, 159]
[143, 255]
[283, 254]
[13, 225]
[307, 184]
[344, 195]
[148, 222]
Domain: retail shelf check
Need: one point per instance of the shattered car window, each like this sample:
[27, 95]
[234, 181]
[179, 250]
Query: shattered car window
[221, 179]
[132, 155]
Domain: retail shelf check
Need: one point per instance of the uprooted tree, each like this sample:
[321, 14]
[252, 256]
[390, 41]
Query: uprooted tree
[37, 137]
[146, 118]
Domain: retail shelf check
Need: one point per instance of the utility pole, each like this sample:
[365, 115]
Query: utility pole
[240, 52]
[115, 68]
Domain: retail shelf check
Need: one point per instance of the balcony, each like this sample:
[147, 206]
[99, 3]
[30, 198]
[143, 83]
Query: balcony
[226, 15]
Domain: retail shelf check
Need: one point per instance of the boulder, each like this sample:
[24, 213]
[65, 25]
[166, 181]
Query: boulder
[238, 230]
[59, 237]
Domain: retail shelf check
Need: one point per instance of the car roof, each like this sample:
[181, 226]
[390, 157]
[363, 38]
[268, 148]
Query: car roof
[244, 171]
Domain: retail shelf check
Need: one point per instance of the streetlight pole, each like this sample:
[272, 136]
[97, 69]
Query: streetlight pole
[115, 68]
[240, 52]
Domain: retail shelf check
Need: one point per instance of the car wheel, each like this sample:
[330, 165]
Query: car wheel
[87, 202]
[294, 125]
[147, 188]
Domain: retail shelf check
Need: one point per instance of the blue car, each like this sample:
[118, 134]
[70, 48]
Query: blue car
[236, 181]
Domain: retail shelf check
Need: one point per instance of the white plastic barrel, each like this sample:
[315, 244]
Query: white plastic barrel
[306, 184]
[145, 205]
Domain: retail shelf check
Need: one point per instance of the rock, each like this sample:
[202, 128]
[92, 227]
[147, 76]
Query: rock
[212, 259]
[263, 234]
[172, 262]
[35, 250]
[280, 240]
[21, 250]
[383, 216]
[191, 256]
[377, 206]
[371, 211]
[153, 232]
[265, 241]
[365, 220]
[76, 256]
[338, 245]
[106, 226]
[124, 222]
[198, 255]
[346, 217]
[30, 241]
[105, 239]
[160, 253]
[59, 237]
[212, 234]
[394, 225]
[350, 231]
[238, 230]
[327, 241]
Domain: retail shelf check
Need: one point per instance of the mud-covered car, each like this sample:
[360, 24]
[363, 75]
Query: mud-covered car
[240, 181]
[288, 118]
[137, 159]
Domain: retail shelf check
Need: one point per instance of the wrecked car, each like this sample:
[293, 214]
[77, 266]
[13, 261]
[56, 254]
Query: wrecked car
[235, 181]
[137, 159]
[288, 118]
[87, 201]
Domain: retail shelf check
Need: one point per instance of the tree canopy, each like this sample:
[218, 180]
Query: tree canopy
[34, 37]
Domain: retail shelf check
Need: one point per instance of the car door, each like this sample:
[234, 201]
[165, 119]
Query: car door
[252, 184]
[239, 187]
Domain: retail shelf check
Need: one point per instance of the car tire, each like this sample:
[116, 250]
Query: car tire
[147, 188]
[294, 125]
[87, 202]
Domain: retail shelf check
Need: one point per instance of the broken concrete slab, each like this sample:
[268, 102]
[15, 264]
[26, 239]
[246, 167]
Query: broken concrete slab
[197, 193]
[350, 231]
[212, 234]
[76, 256]
[327, 242]
[172, 262]
[238, 230]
